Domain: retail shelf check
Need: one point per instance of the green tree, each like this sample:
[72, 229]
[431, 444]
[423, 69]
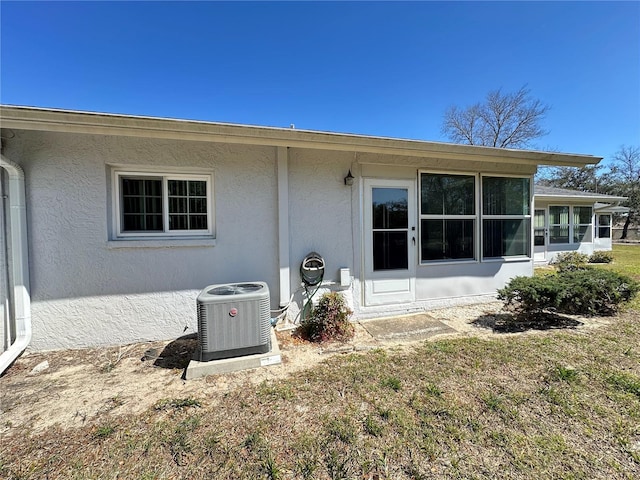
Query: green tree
[584, 179]
[504, 120]
[625, 181]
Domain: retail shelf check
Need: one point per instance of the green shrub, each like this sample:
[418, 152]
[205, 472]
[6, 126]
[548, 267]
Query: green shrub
[329, 320]
[580, 292]
[595, 291]
[601, 257]
[570, 261]
[531, 295]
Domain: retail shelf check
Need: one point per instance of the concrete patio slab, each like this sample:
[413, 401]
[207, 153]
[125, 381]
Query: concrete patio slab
[407, 328]
[197, 369]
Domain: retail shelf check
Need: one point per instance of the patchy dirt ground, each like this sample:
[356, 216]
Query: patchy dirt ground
[75, 387]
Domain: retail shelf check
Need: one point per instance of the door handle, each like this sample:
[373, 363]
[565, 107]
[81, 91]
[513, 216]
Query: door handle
[413, 239]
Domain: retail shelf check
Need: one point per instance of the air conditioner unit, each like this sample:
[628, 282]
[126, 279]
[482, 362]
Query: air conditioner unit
[233, 320]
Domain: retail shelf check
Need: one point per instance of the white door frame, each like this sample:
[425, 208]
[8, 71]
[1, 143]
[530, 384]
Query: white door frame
[540, 251]
[389, 286]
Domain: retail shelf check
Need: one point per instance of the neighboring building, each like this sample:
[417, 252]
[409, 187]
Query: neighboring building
[128, 218]
[572, 221]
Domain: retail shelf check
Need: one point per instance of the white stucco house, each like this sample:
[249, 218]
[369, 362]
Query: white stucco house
[112, 224]
[572, 221]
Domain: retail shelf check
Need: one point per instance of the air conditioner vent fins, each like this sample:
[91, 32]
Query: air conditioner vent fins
[233, 320]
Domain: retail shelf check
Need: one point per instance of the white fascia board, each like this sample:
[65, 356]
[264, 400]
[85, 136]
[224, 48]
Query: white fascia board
[609, 208]
[579, 198]
[613, 210]
[30, 118]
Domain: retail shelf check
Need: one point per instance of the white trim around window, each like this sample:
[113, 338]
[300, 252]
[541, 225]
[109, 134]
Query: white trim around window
[582, 231]
[154, 204]
[506, 222]
[451, 225]
[506, 219]
[566, 230]
[603, 226]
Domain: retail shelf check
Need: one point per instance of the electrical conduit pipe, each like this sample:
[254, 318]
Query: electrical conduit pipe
[19, 264]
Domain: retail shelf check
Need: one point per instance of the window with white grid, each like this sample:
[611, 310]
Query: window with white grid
[157, 205]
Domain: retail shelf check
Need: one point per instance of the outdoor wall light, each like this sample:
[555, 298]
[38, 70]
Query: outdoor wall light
[348, 180]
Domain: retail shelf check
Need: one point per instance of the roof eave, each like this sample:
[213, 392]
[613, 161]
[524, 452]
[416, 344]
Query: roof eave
[589, 198]
[66, 121]
[618, 210]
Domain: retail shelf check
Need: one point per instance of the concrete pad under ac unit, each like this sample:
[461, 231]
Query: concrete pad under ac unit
[197, 369]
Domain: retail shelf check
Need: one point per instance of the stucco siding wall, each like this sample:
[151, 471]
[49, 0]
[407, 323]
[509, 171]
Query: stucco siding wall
[456, 281]
[85, 291]
[555, 249]
[320, 211]
[602, 244]
[88, 288]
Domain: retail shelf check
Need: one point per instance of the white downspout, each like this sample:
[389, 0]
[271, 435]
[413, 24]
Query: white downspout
[19, 263]
[283, 225]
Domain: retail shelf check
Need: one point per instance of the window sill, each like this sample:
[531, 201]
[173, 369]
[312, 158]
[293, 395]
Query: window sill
[161, 243]
[515, 258]
[431, 263]
[572, 244]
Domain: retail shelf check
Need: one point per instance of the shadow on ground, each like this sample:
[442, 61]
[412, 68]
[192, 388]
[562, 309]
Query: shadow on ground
[507, 323]
[175, 355]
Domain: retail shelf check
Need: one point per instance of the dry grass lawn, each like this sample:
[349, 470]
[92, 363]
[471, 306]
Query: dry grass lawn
[556, 403]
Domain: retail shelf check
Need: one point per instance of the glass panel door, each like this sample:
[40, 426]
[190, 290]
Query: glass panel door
[390, 228]
[540, 232]
[389, 241]
[539, 228]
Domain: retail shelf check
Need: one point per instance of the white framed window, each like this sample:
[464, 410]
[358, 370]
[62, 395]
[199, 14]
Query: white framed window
[448, 217]
[570, 224]
[506, 217]
[559, 224]
[539, 228]
[148, 204]
[604, 226]
[582, 224]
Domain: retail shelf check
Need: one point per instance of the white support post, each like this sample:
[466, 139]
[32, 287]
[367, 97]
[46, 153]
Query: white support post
[283, 224]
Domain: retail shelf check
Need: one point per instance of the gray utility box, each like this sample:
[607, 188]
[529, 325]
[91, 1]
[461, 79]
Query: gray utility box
[233, 320]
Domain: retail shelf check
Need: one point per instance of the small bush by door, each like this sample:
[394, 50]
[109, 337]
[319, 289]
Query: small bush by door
[329, 320]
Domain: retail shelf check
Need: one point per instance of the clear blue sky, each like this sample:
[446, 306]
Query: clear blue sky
[388, 69]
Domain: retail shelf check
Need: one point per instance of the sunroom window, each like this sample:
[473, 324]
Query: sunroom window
[157, 205]
[604, 226]
[582, 224]
[447, 217]
[506, 217]
[559, 224]
[570, 224]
